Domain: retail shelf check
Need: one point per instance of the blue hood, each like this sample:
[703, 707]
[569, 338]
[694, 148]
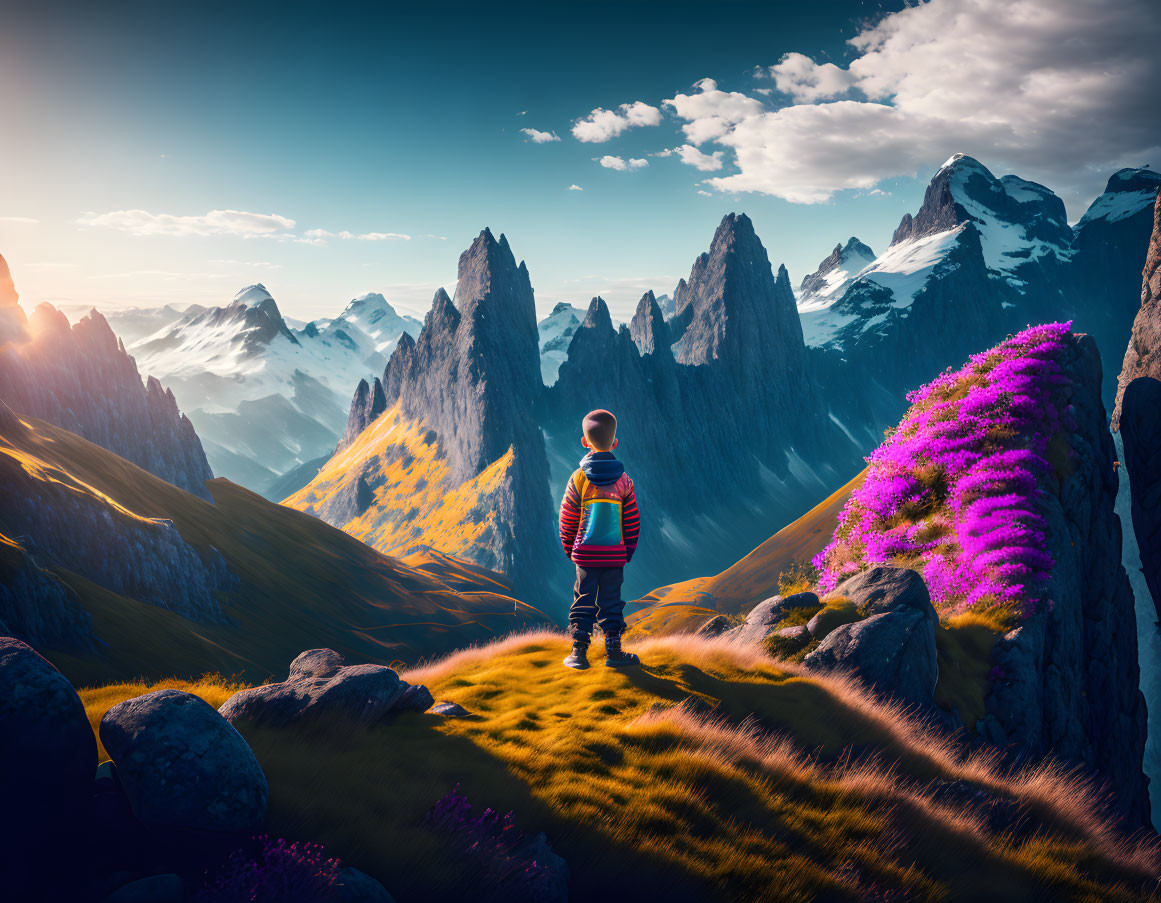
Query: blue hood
[602, 468]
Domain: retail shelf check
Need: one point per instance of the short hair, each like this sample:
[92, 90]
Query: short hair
[600, 428]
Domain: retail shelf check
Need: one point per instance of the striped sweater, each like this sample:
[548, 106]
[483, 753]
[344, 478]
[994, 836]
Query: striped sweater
[599, 521]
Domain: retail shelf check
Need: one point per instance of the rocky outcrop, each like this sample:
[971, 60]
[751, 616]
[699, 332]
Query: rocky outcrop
[765, 619]
[727, 376]
[1143, 355]
[47, 759]
[1067, 679]
[473, 378]
[181, 764]
[891, 647]
[369, 402]
[68, 525]
[320, 684]
[36, 607]
[1141, 433]
[1138, 414]
[81, 379]
[648, 328]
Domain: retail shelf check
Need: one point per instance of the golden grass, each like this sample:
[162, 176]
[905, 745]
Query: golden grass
[416, 501]
[213, 688]
[711, 773]
[774, 567]
[301, 583]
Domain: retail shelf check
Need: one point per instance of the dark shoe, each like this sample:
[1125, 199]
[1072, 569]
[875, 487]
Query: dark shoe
[615, 657]
[579, 657]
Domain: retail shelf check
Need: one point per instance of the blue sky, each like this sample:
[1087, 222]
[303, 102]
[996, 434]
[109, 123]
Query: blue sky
[127, 126]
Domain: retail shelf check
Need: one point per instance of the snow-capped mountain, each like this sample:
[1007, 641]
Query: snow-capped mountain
[827, 284]
[667, 305]
[983, 256]
[266, 398]
[556, 331]
[888, 283]
[375, 318]
[1109, 245]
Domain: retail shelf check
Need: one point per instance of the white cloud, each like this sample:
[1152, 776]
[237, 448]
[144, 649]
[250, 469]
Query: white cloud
[601, 125]
[538, 137]
[575, 188]
[1060, 91]
[217, 222]
[691, 156]
[318, 233]
[807, 81]
[705, 193]
[24, 220]
[621, 164]
[710, 113]
[384, 236]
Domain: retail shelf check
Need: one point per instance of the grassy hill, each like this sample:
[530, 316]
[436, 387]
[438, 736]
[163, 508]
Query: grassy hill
[683, 607]
[712, 773]
[392, 488]
[294, 582]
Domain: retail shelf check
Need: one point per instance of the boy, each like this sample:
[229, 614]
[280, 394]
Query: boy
[599, 525]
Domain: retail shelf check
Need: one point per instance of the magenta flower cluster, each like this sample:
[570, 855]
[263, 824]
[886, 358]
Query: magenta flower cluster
[954, 490]
[503, 855]
[274, 871]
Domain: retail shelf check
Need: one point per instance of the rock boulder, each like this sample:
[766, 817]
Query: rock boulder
[182, 764]
[320, 684]
[47, 758]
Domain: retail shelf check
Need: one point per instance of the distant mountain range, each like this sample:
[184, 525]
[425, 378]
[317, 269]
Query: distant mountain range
[981, 258]
[746, 404]
[265, 398]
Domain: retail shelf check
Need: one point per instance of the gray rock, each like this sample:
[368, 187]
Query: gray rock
[319, 684]
[316, 663]
[416, 698]
[892, 653]
[356, 887]
[887, 589]
[798, 633]
[827, 620]
[765, 617]
[787, 640]
[154, 889]
[1067, 680]
[47, 758]
[450, 710]
[182, 764]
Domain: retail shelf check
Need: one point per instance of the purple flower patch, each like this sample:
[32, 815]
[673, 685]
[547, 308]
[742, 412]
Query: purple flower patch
[273, 872]
[954, 490]
[503, 856]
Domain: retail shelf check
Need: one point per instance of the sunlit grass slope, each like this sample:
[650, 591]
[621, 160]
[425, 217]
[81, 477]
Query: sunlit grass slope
[413, 499]
[712, 773]
[301, 583]
[748, 581]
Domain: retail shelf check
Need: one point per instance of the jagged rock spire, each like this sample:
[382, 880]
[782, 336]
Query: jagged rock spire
[648, 328]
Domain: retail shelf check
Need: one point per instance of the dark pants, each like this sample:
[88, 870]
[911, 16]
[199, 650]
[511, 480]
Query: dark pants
[596, 597]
